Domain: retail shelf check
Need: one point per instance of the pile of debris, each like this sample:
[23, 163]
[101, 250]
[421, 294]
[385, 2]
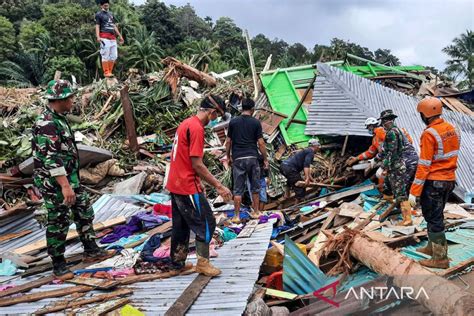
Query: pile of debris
[341, 238]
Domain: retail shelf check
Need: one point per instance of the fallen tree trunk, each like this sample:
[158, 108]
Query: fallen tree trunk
[443, 296]
[178, 69]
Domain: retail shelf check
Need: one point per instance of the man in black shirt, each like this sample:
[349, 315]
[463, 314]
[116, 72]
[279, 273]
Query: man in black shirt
[245, 133]
[106, 31]
[292, 167]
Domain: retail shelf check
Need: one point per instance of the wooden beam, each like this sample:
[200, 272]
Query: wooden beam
[129, 119]
[41, 244]
[317, 184]
[14, 235]
[101, 284]
[66, 304]
[248, 229]
[187, 298]
[27, 286]
[106, 307]
[8, 301]
[300, 103]
[343, 152]
[457, 268]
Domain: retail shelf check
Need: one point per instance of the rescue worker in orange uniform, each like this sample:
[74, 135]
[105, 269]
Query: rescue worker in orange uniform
[435, 178]
[376, 147]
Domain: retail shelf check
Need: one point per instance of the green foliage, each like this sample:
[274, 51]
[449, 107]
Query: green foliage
[30, 32]
[26, 69]
[202, 52]
[7, 40]
[158, 18]
[228, 35]
[144, 52]
[68, 66]
[66, 23]
[460, 66]
[18, 10]
[189, 24]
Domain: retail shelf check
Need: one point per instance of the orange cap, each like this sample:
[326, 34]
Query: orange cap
[430, 107]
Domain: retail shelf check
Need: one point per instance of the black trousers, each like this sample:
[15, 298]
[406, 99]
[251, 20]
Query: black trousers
[433, 200]
[292, 176]
[189, 212]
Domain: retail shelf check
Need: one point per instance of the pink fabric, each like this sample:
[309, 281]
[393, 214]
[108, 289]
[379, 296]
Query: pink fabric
[212, 250]
[6, 287]
[162, 252]
[162, 209]
[121, 273]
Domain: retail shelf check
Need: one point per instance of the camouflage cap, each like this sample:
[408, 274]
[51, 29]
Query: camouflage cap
[387, 115]
[59, 89]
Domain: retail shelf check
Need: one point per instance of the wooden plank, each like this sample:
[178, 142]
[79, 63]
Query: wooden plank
[457, 268]
[318, 184]
[8, 301]
[459, 105]
[248, 229]
[14, 235]
[66, 304]
[281, 294]
[129, 120]
[41, 244]
[187, 298]
[102, 284]
[27, 286]
[104, 308]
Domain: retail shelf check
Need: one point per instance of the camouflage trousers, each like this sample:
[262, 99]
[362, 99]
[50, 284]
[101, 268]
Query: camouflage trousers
[59, 219]
[395, 182]
[411, 162]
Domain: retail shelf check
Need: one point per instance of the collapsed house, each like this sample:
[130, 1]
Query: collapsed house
[294, 259]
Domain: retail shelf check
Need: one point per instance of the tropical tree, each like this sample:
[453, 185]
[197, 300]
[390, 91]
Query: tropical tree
[202, 51]
[27, 69]
[460, 66]
[144, 52]
[7, 38]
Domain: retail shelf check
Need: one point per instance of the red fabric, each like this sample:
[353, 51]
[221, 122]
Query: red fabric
[108, 36]
[162, 209]
[275, 281]
[188, 142]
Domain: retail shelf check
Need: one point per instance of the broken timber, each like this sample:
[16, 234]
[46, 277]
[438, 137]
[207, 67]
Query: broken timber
[129, 119]
[105, 307]
[66, 304]
[248, 229]
[187, 298]
[443, 296]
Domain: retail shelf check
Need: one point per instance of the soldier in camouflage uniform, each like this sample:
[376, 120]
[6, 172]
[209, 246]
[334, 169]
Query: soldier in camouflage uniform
[56, 175]
[394, 164]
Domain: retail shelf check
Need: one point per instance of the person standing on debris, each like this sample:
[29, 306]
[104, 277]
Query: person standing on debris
[435, 178]
[56, 175]
[395, 150]
[106, 32]
[244, 135]
[301, 161]
[190, 208]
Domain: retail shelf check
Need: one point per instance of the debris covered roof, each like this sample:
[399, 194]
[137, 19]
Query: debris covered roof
[342, 102]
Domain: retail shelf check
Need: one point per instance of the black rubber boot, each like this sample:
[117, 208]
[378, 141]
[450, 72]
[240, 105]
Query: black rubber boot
[92, 252]
[60, 269]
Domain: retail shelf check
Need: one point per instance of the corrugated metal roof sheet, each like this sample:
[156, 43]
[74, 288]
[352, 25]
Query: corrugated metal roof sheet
[106, 207]
[227, 294]
[342, 101]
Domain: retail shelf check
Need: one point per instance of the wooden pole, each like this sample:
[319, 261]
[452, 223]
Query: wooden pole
[443, 297]
[343, 152]
[298, 107]
[252, 64]
[129, 119]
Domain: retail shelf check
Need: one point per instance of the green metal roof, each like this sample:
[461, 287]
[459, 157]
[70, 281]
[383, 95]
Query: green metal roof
[281, 84]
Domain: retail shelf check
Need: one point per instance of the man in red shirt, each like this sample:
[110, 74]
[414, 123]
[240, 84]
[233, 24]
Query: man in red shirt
[191, 210]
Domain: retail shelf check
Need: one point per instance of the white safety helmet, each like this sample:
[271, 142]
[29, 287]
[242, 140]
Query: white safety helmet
[371, 121]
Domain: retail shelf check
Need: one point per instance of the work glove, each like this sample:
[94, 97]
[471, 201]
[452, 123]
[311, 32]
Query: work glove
[351, 161]
[412, 199]
[373, 163]
[379, 174]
